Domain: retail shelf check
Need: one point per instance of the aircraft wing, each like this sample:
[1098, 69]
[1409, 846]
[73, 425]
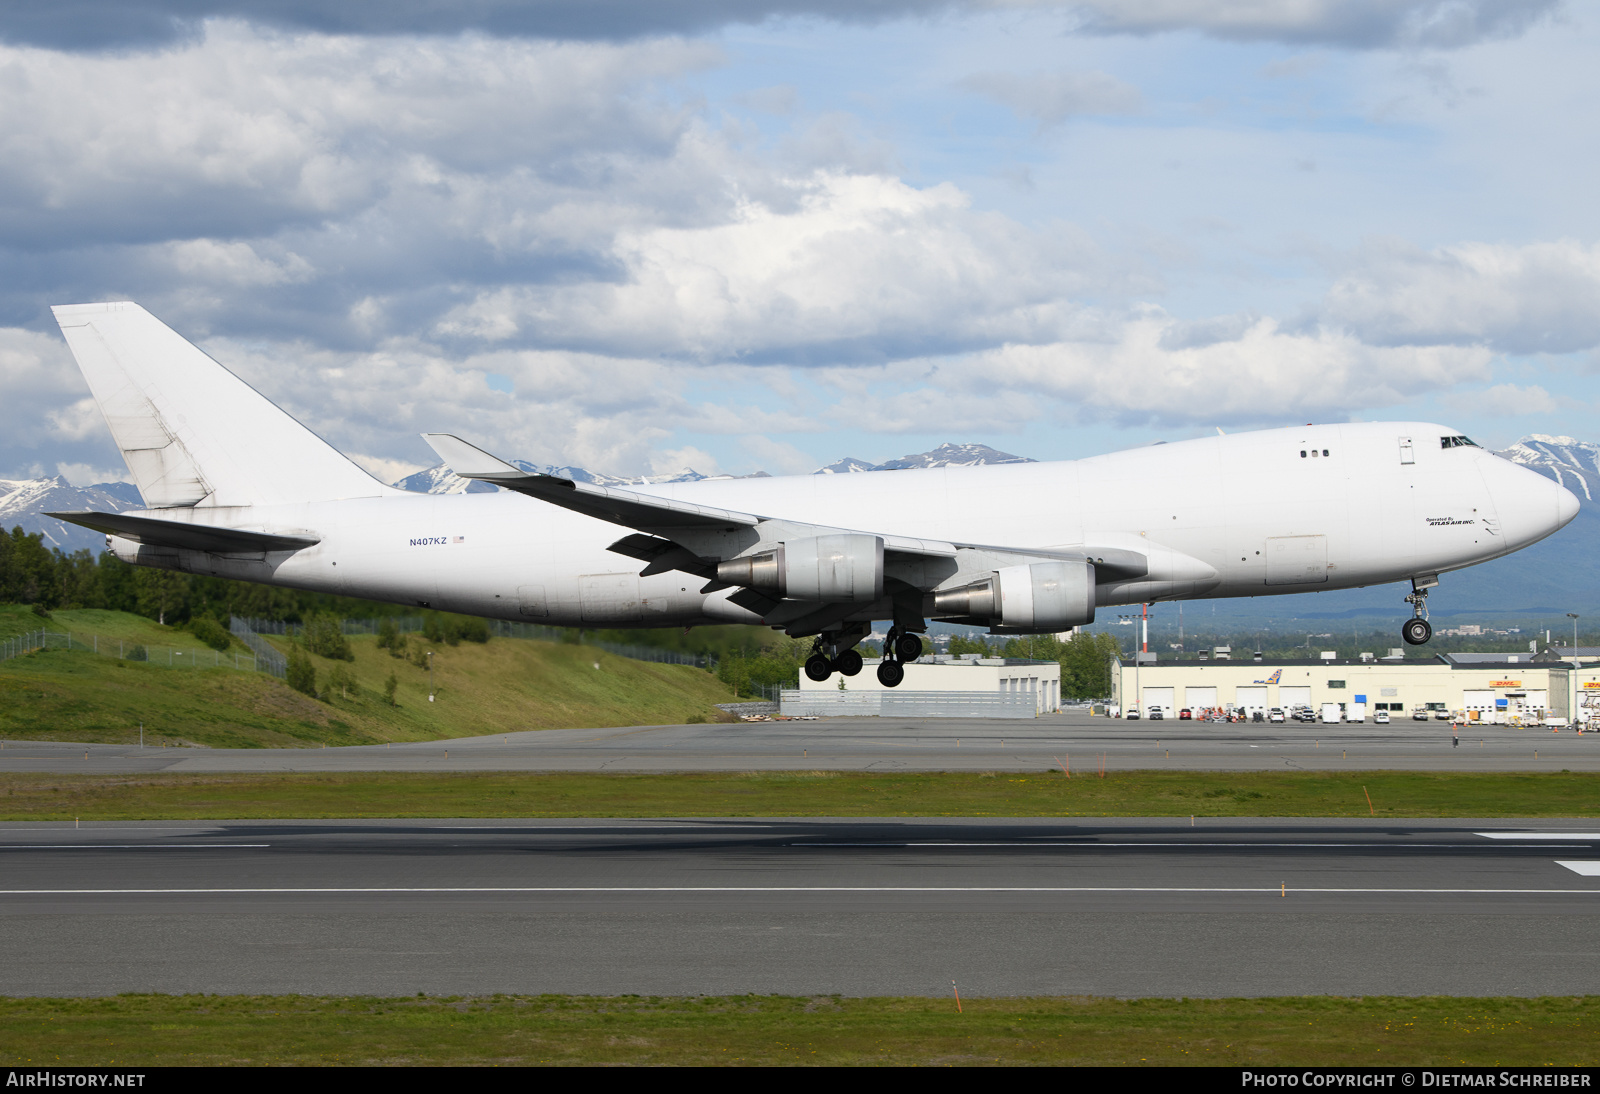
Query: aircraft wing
[665, 517]
[186, 536]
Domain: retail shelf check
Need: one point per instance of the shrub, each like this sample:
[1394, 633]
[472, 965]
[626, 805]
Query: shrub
[388, 635]
[210, 632]
[389, 687]
[138, 653]
[302, 675]
[325, 638]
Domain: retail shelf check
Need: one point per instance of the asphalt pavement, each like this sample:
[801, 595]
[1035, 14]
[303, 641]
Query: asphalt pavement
[1071, 738]
[856, 907]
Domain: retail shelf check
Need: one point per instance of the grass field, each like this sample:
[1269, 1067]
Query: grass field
[152, 1030]
[802, 794]
[507, 685]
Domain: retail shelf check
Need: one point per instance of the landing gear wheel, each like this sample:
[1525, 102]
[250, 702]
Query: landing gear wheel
[908, 647]
[890, 673]
[818, 668]
[847, 663]
[1416, 631]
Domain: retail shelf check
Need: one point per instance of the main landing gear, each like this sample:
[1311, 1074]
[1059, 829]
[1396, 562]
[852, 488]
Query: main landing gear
[899, 647]
[835, 652]
[1418, 630]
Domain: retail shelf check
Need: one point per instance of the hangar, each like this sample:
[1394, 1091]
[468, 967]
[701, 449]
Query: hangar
[1513, 689]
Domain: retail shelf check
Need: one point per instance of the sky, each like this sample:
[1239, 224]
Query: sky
[641, 236]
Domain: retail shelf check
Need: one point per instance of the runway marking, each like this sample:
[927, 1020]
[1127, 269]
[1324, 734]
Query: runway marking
[1089, 843]
[1579, 866]
[126, 846]
[1273, 889]
[1539, 835]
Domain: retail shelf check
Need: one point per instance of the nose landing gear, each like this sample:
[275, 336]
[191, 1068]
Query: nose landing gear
[1418, 630]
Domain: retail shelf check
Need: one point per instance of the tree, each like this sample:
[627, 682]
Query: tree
[389, 687]
[340, 677]
[302, 674]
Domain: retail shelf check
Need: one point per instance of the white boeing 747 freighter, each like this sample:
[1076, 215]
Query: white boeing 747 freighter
[234, 487]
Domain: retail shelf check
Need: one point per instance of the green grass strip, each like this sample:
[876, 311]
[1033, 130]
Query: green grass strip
[153, 1030]
[801, 794]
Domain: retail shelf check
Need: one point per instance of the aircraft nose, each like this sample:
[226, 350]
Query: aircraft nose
[1566, 506]
[1530, 506]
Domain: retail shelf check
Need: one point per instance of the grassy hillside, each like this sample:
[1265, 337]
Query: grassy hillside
[506, 685]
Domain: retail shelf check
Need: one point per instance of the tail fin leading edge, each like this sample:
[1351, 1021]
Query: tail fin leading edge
[192, 432]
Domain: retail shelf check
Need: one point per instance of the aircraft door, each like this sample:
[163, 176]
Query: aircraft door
[1408, 454]
[609, 598]
[1297, 560]
[532, 602]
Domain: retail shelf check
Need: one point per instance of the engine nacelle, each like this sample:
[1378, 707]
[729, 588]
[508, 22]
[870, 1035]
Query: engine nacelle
[831, 568]
[1042, 596]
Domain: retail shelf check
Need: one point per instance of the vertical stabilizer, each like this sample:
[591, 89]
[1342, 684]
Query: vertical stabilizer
[193, 433]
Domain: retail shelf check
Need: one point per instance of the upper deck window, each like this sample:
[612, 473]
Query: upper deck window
[1456, 442]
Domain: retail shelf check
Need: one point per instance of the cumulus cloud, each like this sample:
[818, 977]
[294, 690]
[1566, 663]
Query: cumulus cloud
[101, 24]
[1053, 97]
[1263, 374]
[860, 268]
[1532, 298]
[1507, 400]
[1354, 24]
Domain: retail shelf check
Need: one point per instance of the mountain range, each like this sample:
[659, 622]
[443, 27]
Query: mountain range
[1558, 575]
[24, 502]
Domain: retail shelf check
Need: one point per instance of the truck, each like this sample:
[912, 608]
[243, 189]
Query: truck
[1355, 712]
[1330, 713]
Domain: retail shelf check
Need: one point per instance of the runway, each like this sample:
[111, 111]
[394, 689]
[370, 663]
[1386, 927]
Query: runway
[882, 744]
[1003, 907]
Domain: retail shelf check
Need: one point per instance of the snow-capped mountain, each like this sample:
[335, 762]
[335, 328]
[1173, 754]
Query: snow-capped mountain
[24, 501]
[847, 466]
[439, 480]
[953, 455]
[1573, 463]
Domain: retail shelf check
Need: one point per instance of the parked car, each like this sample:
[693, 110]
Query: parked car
[1441, 715]
[1156, 714]
[1132, 715]
[1185, 715]
[1381, 718]
[1275, 714]
[1419, 715]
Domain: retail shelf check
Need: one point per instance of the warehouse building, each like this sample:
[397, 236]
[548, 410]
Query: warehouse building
[1511, 689]
[968, 686]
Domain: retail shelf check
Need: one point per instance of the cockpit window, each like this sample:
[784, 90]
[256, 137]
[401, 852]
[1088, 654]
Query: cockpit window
[1456, 442]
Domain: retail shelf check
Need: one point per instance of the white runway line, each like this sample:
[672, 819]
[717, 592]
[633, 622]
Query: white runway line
[1540, 835]
[1187, 843]
[1273, 890]
[127, 846]
[1579, 866]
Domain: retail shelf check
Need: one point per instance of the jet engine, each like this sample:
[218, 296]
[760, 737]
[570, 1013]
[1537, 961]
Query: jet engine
[845, 567]
[1041, 596]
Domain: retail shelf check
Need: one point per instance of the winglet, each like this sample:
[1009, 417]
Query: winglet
[469, 461]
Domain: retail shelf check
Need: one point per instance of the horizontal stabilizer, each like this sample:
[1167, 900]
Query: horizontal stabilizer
[186, 536]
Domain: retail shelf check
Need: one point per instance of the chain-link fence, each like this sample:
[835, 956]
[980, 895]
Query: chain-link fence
[123, 649]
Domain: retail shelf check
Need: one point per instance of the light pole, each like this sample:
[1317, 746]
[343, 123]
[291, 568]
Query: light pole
[1574, 708]
[430, 676]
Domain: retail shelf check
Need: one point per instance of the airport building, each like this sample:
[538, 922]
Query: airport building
[1508, 689]
[968, 686]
